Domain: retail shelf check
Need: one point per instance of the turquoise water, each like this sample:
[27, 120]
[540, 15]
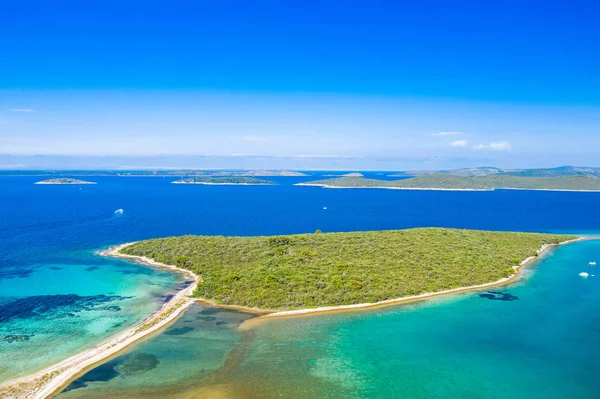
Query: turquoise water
[537, 338]
[57, 297]
[67, 307]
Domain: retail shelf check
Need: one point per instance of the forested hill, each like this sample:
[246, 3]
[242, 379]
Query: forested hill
[453, 182]
[233, 180]
[329, 269]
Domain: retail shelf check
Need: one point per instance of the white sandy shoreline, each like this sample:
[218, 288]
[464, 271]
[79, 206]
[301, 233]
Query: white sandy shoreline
[51, 380]
[48, 382]
[502, 281]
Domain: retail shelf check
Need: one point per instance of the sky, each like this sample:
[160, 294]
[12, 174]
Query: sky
[394, 85]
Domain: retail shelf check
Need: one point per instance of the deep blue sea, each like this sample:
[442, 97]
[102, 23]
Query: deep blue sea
[58, 297]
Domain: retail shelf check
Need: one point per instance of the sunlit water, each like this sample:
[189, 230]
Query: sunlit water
[533, 339]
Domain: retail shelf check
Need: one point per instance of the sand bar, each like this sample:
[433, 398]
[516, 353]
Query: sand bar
[48, 382]
[51, 380]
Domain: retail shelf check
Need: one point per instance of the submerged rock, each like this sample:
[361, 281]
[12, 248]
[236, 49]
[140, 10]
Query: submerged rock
[16, 338]
[138, 364]
[179, 331]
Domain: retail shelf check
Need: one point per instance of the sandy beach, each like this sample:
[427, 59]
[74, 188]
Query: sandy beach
[388, 302]
[51, 380]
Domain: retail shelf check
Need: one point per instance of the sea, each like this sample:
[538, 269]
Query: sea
[537, 338]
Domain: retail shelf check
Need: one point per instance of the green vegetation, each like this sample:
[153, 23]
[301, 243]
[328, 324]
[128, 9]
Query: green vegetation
[480, 171]
[329, 269]
[64, 180]
[224, 180]
[490, 182]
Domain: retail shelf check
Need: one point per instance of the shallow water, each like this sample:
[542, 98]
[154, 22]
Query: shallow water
[48, 236]
[536, 338]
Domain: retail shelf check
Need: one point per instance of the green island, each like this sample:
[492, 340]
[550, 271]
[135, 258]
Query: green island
[233, 180]
[454, 182]
[333, 269]
[272, 173]
[64, 180]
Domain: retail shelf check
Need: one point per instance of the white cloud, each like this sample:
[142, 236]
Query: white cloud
[22, 110]
[500, 146]
[448, 134]
[497, 146]
[459, 143]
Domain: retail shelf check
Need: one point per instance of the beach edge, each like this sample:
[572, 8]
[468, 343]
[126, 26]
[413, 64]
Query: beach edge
[50, 381]
[75, 366]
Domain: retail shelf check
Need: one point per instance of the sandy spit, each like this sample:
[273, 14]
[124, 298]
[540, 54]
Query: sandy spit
[50, 381]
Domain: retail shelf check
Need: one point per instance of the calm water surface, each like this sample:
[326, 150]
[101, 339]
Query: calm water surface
[534, 339]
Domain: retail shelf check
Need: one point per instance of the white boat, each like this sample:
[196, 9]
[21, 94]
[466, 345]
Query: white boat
[324, 208]
[583, 274]
[592, 263]
[119, 212]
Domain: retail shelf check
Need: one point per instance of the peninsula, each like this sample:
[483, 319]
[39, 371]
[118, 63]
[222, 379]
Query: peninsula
[473, 183]
[64, 180]
[296, 274]
[229, 181]
[334, 269]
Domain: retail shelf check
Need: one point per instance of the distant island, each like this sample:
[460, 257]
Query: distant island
[353, 174]
[562, 171]
[273, 173]
[237, 181]
[333, 269]
[63, 180]
[475, 183]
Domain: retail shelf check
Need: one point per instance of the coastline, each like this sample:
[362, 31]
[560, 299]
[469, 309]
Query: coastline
[270, 313]
[52, 380]
[412, 298]
[224, 184]
[41, 183]
[454, 189]
[49, 381]
[396, 188]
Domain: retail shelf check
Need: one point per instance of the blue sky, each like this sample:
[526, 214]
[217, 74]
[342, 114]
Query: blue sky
[465, 83]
